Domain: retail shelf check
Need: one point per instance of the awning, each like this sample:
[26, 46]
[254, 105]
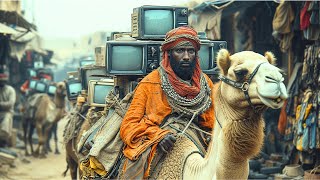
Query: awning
[4, 29]
[228, 6]
[23, 35]
[13, 18]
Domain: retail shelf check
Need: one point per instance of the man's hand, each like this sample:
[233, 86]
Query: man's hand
[166, 144]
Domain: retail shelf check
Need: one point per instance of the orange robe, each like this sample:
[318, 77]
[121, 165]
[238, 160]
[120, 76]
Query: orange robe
[140, 126]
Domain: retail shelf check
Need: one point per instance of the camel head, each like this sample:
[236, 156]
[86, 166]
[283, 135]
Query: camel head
[61, 89]
[254, 73]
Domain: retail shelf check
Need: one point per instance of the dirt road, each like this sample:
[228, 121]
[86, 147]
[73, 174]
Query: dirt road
[49, 168]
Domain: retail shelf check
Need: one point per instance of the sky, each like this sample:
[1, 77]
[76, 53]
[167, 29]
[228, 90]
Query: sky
[75, 18]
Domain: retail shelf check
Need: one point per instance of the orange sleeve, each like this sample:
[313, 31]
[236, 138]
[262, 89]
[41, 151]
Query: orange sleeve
[137, 131]
[282, 119]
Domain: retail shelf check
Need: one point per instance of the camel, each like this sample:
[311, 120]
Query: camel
[77, 124]
[250, 83]
[79, 121]
[47, 113]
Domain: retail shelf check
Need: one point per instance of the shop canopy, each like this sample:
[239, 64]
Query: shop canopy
[4, 29]
[12, 18]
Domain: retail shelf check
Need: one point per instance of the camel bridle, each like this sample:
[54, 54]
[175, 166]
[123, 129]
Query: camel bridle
[243, 86]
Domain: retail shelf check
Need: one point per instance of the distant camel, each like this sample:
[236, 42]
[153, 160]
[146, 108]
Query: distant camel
[47, 113]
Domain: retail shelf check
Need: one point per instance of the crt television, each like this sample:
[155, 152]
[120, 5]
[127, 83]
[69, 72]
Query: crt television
[88, 73]
[153, 22]
[132, 57]
[32, 83]
[207, 54]
[31, 73]
[98, 90]
[74, 88]
[51, 90]
[41, 87]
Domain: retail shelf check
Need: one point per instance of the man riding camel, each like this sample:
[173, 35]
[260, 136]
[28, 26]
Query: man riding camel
[178, 92]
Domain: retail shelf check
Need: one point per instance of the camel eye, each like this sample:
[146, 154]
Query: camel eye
[241, 73]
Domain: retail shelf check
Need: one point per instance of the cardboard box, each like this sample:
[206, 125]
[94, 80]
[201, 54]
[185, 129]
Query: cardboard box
[100, 54]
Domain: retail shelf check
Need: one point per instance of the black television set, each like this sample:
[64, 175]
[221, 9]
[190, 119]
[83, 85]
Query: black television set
[98, 90]
[132, 57]
[153, 22]
[207, 54]
[88, 73]
[74, 88]
[51, 89]
[41, 87]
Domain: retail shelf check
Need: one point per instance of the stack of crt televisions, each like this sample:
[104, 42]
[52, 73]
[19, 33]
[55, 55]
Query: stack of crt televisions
[138, 52]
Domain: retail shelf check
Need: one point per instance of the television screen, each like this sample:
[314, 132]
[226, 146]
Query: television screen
[100, 93]
[86, 62]
[74, 88]
[158, 22]
[207, 54]
[132, 57]
[204, 55]
[153, 22]
[38, 64]
[41, 86]
[32, 84]
[127, 58]
[32, 73]
[52, 89]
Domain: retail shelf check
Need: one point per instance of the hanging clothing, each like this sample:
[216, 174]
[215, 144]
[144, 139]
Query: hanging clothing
[4, 49]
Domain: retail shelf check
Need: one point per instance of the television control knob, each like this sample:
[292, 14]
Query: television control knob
[153, 66]
[184, 12]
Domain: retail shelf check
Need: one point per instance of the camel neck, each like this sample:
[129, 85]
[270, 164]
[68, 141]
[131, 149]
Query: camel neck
[59, 101]
[227, 111]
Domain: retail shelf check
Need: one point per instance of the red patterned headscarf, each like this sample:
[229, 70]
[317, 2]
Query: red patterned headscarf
[3, 77]
[173, 38]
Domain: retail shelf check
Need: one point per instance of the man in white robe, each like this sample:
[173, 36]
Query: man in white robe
[7, 101]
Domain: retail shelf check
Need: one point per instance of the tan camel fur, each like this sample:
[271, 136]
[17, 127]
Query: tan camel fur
[48, 112]
[240, 135]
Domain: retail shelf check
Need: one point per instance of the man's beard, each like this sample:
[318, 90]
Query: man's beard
[184, 73]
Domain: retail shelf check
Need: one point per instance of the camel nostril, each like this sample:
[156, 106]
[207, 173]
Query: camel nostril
[271, 79]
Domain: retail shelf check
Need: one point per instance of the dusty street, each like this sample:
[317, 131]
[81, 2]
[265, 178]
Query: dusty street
[51, 167]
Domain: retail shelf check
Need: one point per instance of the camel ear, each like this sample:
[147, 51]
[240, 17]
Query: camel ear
[223, 61]
[270, 56]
